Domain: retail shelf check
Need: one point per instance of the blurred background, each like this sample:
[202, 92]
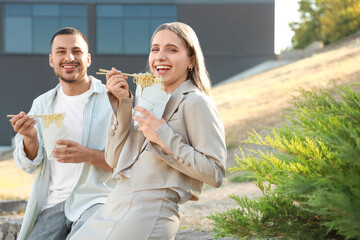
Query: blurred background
[259, 53]
[235, 35]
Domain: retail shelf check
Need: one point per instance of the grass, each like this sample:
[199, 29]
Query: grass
[259, 101]
[14, 183]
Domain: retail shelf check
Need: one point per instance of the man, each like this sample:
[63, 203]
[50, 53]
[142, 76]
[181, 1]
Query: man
[68, 190]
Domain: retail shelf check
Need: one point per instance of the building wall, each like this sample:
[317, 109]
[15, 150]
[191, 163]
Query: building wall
[234, 36]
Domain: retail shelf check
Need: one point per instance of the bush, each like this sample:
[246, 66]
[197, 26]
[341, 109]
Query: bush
[311, 181]
[243, 177]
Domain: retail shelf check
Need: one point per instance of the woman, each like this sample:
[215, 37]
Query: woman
[164, 162]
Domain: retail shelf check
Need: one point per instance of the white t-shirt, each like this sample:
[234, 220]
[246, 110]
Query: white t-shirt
[63, 175]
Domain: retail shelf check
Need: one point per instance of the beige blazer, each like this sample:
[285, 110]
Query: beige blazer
[194, 134]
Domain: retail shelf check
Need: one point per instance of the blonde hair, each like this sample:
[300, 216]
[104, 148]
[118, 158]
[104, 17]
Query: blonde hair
[198, 74]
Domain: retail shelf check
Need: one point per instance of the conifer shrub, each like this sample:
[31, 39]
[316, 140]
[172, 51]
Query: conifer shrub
[311, 179]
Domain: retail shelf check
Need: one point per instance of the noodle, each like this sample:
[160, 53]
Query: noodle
[146, 79]
[56, 118]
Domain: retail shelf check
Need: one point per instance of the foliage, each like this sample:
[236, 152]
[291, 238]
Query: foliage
[246, 176]
[269, 216]
[308, 29]
[340, 19]
[325, 20]
[311, 181]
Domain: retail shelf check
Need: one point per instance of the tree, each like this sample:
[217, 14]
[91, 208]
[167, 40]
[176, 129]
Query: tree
[311, 179]
[308, 29]
[325, 20]
[340, 19]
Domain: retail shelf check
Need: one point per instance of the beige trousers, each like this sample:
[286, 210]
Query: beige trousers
[128, 215]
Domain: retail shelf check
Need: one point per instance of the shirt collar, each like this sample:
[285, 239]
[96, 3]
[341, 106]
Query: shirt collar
[95, 87]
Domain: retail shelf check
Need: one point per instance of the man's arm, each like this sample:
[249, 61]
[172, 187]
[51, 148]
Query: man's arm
[25, 126]
[77, 153]
[98, 160]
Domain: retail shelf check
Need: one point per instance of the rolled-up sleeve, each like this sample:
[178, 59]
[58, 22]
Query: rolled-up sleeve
[20, 158]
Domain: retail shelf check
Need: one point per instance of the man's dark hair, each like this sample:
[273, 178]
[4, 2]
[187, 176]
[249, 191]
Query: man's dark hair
[68, 31]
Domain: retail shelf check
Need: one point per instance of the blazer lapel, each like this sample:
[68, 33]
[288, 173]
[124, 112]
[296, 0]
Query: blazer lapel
[142, 141]
[176, 97]
[174, 101]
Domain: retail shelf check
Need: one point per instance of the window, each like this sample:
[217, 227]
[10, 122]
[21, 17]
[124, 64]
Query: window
[29, 27]
[127, 29]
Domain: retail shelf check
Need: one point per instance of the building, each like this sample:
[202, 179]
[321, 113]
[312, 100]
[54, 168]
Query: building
[234, 34]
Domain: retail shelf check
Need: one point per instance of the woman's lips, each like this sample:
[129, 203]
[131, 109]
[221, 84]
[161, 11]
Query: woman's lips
[161, 69]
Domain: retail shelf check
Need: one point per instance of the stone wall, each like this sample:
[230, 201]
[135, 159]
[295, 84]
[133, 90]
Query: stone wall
[302, 53]
[318, 47]
[11, 215]
[10, 227]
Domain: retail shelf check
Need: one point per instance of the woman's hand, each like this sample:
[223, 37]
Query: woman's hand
[117, 85]
[148, 125]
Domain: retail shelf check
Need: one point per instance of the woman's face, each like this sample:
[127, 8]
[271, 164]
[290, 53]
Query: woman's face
[169, 58]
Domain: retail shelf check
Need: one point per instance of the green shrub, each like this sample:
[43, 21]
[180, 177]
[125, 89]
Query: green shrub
[311, 181]
[245, 176]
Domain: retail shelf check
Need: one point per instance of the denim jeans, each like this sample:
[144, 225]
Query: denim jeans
[52, 223]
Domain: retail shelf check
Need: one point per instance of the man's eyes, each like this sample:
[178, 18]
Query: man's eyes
[76, 52]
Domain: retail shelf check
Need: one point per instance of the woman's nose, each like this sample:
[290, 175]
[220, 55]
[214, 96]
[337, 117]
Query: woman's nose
[161, 55]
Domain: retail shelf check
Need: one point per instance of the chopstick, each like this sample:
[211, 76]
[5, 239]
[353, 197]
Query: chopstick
[104, 71]
[34, 116]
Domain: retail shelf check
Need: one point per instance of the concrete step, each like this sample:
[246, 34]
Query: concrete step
[12, 206]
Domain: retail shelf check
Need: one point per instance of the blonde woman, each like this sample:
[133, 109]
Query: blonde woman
[164, 162]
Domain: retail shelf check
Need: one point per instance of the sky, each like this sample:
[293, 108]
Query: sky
[285, 12]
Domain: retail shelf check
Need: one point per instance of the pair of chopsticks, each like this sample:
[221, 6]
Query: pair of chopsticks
[104, 71]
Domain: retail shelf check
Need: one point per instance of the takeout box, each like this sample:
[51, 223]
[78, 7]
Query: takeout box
[152, 98]
[52, 132]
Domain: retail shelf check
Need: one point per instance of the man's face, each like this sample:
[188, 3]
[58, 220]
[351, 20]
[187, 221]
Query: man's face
[70, 58]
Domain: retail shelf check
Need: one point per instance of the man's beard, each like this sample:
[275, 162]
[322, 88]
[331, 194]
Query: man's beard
[67, 80]
[76, 79]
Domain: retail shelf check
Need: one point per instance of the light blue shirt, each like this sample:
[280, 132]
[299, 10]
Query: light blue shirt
[89, 187]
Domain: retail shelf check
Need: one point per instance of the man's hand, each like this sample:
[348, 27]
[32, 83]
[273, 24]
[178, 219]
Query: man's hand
[117, 85]
[25, 126]
[74, 152]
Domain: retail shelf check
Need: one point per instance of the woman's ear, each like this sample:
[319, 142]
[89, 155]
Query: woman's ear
[191, 65]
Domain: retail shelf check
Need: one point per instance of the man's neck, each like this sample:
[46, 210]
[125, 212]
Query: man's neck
[76, 88]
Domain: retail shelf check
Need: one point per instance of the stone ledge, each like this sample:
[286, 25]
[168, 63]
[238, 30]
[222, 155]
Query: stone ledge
[12, 206]
[10, 227]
